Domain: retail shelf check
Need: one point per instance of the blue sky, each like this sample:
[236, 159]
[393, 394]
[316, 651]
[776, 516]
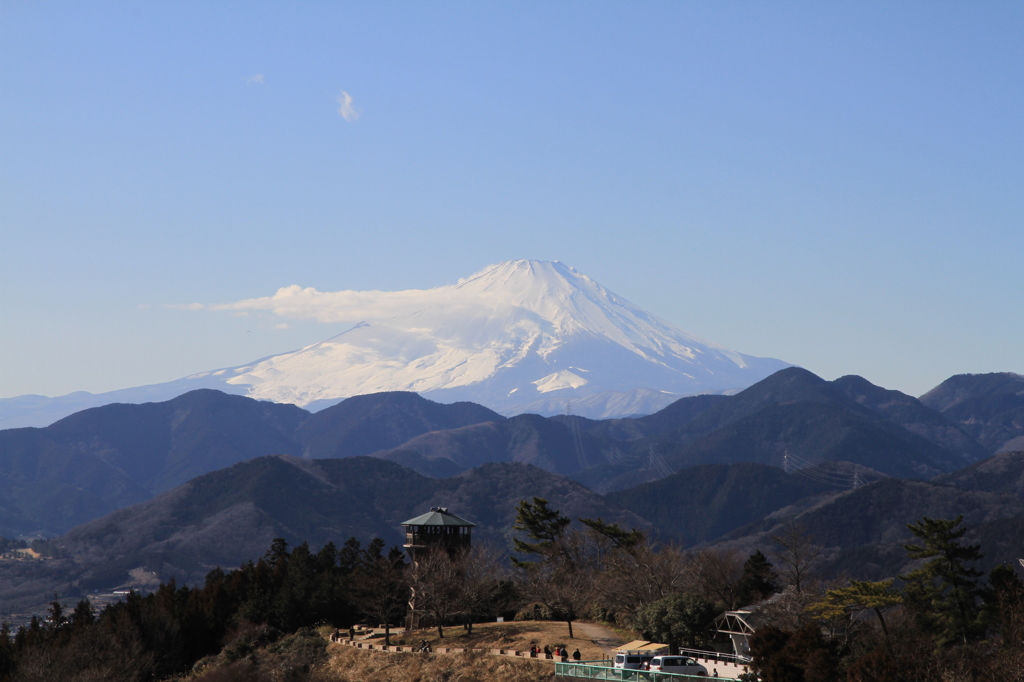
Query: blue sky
[839, 185]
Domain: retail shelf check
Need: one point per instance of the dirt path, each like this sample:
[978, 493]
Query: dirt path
[600, 635]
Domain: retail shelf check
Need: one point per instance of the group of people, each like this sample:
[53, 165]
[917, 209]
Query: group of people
[560, 652]
[337, 636]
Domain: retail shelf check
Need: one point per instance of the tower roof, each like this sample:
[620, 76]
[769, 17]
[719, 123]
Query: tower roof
[438, 516]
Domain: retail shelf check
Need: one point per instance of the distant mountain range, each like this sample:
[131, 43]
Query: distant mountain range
[861, 532]
[230, 516]
[99, 460]
[207, 478]
[520, 336]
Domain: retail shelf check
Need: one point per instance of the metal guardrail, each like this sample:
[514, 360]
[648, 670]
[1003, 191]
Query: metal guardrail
[587, 670]
[716, 656]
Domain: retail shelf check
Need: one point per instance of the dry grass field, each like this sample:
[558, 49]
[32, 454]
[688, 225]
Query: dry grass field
[345, 664]
[517, 635]
[306, 656]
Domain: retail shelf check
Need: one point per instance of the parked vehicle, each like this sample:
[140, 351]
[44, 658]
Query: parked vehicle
[632, 661]
[677, 664]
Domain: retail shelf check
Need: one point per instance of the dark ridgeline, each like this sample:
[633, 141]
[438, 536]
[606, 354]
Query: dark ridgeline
[106, 458]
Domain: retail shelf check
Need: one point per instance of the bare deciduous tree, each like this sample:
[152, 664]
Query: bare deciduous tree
[436, 583]
[565, 586]
[716, 576]
[796, 553]
[480, 573]
[641, 575]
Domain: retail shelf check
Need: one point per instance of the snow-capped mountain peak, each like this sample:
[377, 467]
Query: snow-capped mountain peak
[519, 335]
[501, 337]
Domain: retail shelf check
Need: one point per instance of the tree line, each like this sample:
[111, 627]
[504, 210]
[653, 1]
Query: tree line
[939, 621]
[164, 633]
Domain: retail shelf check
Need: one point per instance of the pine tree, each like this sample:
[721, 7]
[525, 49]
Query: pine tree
[563, 577]
[860, 595]
[542, 525]
[613, 535]
[944, 591]
[759, 580]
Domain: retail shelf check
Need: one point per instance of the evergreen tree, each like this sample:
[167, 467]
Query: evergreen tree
[83, 614]
[1003, 605]
[759, 579]
[944, 592]
[543, 527]
[564, 576]
[859, 596]
[801, 656]
[613, 535]
[678, 620]
[380, 585]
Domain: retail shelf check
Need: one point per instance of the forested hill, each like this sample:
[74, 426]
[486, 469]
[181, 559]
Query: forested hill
[106, 458]
[103, 459]
[228, 517]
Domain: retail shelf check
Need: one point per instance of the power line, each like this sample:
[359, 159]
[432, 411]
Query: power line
[657, 463]
[577, 437]
[820, 472]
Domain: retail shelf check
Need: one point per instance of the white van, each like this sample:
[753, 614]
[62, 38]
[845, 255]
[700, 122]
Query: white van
[633, 661]
[677, 664]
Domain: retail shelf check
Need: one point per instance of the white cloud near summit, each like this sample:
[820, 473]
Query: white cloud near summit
[345, 108]
[306, 303]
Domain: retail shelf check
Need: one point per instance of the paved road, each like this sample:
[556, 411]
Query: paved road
[600, 635]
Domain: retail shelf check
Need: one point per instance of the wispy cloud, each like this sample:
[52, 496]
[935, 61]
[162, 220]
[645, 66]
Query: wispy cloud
[255, 79]
[306, 303]
[345, 108]
[298, 303]
[184, 306]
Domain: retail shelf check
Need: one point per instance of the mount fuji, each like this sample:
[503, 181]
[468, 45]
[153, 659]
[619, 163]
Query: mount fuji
[518, 336]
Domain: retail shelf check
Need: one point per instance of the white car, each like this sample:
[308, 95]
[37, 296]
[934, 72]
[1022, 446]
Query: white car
[632, 661]
[677, 664]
